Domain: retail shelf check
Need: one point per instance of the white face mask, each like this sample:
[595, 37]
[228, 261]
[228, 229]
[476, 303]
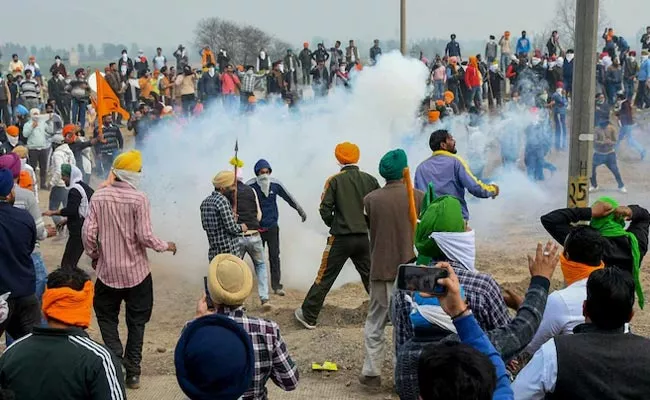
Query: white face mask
[545, 64]
[124, 57]
[281, 68]
[569, 57]
[13, 140]
[58, 62]
[644, 58]
[262, 54]
[631, 58]
[211, 71]
[559, 90]
[264, 180]
[552, 64]
[61, 77]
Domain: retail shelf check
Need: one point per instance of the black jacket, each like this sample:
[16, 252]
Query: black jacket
[617, 250]
[77, 147]
[70, 366]
[246, 205]
[71, 210]
[210, 85]
[320, 55]
[17, 241]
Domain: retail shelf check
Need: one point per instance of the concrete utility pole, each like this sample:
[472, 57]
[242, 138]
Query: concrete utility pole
[582, 106]
[402, 27]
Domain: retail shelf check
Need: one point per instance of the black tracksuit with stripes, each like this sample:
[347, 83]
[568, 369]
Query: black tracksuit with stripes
[61, 364]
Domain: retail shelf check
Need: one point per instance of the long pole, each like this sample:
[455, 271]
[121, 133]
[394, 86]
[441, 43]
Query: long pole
[402, 27]
[582, 107]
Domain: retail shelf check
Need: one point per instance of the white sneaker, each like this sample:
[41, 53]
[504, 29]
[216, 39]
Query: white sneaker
[622, 190]
[593, 189]
[301, 318]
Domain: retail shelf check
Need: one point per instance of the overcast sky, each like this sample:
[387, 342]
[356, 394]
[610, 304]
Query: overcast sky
[64, 23]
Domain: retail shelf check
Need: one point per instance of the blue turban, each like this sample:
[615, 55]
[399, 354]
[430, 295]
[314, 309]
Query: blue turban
[6, 182]
[214, 359]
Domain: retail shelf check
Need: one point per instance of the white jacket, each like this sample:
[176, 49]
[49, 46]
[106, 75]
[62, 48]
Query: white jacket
[62, 155]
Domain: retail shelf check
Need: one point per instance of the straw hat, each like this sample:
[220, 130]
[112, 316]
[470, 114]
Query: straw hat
[230, 280]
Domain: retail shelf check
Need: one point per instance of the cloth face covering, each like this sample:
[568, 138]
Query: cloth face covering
[264, 180]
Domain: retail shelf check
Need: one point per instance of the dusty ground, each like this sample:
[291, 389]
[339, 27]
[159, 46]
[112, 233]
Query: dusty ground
[339, 337]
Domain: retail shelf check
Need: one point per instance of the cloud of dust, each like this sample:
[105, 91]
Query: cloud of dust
[379, 114]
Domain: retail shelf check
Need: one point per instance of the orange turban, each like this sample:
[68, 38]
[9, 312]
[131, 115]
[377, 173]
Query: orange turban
[25, 180]
[347, 153]
[473, 61]
[440, 103]
[72, 307]
[449, 97]
[358, 67]
[13, 130]
[434, 115]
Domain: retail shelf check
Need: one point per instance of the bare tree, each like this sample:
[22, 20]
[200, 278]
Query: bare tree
[540, 38]
[565, 22]
[251, 41]
[278, 49]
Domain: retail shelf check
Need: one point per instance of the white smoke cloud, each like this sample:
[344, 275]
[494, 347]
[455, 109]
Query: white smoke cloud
[379, 114]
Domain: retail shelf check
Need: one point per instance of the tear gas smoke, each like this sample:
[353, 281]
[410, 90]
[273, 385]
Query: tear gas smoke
[379, 114]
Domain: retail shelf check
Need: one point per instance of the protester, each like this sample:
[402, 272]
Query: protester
[16, 67]
[246, 206]
[116, 235]
[182, 60]
[523, 45]
[643, 92]
[80, 91]
[305, 62]
[62, 351]
[268, 189]
[583, 254]
[341, 209]
[573, 366]
[375, 52]
[75, 212]
[13, 140]
[5, 101]
[22, 152]
[508, 340]
[30, 91]
[210, 84]
[196, 371]
[453, 48]
[61, 155]
[81, 148]
[449, 173]
[230, 282]
[38, 144]
[108, 145]
[560, 103]
[17, 241]
[291, 64]
[472, 369]
[605, 141]
[159, 60]
[506, 50]
[391, 244]
[625, 248]
[218, 218]
[185, 87]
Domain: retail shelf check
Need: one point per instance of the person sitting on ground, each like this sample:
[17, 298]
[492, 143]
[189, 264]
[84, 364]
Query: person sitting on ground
[624, 248]
[75, 212]
[509, 339]
[208, 339]
[230, 283]
[583, 254]
[443, 236]
[70, 364]
[600, 360]
[472, 369]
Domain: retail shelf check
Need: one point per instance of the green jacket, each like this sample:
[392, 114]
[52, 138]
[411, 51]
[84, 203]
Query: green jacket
[341, 206]
[61, 364]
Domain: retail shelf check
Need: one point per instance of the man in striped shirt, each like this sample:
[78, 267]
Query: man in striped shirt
[116, 235]
[70, 364]
[30, 91]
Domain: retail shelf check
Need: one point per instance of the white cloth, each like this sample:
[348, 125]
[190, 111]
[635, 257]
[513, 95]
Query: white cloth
[563, 312]
[435, 315]
[458, 246]
[539, 376]
[75, 177]
[62, 155]
[132, 178]
[4, 307]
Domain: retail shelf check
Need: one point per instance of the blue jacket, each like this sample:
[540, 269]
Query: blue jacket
[471, 334]
[644, 71]
[568, 74]
[269, 205]
[523, 45]
[450, 175]
[17, 241]
[561, 103]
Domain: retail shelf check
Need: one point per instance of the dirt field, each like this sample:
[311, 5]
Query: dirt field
[339, 336]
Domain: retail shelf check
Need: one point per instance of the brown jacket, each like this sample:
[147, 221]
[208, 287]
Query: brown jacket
[391, 234]
[605, 139]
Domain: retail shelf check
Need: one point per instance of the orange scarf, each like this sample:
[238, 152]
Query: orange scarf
[72, 307]
[574, 272]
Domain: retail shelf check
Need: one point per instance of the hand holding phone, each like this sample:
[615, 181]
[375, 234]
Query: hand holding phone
[420, 278]
[451, 302]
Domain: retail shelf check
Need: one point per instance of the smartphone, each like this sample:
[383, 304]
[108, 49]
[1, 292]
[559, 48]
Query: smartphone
[420, 278]
[208, 299]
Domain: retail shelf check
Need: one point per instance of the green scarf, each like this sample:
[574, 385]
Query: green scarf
[611, 227]
[438, 214]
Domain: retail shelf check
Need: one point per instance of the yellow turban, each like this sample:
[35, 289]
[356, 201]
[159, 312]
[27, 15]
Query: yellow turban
[223, 179]
[21, 151]
[347, 153]
[129, 161]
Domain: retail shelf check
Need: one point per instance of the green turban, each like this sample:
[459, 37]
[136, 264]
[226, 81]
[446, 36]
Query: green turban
[392, 164]
[66, 170]
[441, 214]
[611, 227]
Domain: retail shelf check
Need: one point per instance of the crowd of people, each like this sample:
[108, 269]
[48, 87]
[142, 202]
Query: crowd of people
[461, 342]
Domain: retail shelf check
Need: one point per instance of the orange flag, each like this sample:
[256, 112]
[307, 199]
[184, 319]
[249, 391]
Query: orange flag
[107, 101]
[413, 214]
